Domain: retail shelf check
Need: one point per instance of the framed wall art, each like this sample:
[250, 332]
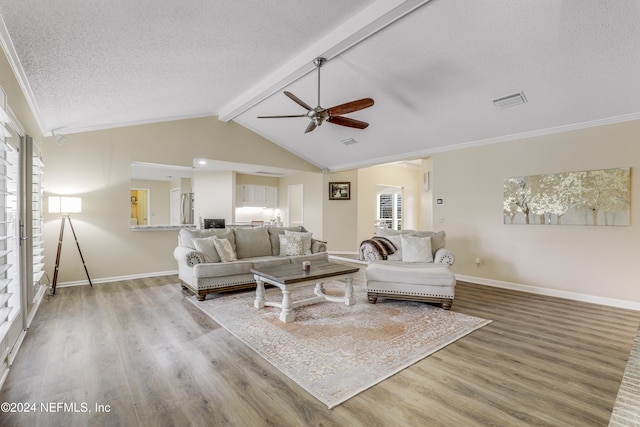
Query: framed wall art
[339, 191]
[592, 197]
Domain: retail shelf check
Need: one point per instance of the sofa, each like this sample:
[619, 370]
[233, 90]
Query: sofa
[220, 260]
[409, 265]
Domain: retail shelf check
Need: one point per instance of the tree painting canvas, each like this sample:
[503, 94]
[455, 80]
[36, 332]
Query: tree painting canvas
[594, 197]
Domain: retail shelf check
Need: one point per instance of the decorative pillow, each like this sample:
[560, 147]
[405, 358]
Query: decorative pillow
[438, 238]
[386, 232]
[306, 240]
[186, 236]
[274, 232]
[416, 249]
[252, 242]
[208, 249]
[225, 250]
[290, 245]
[194, 258]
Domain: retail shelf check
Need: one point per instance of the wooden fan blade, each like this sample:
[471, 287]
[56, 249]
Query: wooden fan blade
[281, 117]
[297, 100]
[350, 107]
[312, 126]
[345, 121]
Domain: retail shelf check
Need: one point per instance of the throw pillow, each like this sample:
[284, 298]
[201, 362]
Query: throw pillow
[386, 232]
[225, 250]
[290, 245]
[274, 232]
[194, 258]
[438, 238]
[397, 242]
[416, 249]
[186, 236]
[208, 249]
[306, 240]
[252, 242]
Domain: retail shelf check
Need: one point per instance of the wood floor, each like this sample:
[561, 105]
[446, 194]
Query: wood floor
[150, 358]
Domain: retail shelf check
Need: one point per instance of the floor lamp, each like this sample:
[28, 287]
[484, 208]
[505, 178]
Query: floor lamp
[65, 206]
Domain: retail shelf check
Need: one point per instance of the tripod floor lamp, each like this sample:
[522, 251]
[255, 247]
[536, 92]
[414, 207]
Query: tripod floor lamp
[65, 206]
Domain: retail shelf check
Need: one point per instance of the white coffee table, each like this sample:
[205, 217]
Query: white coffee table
[292, 276]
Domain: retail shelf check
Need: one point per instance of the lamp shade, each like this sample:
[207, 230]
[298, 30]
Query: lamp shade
[64, 205]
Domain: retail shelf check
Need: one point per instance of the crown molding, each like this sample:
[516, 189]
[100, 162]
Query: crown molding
[488, 141]
[12, 56]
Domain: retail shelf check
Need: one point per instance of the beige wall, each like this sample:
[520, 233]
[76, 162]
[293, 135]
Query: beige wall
[388, 175]
[592, 260]
[16, 99]
[340, 217]
[160, 199]
[96, 166]
[243, 178]
[313, 206]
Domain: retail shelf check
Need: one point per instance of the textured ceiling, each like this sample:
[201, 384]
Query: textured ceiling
[96, 63]
[432, 67]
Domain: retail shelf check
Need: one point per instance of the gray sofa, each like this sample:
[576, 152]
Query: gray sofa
[202, 271]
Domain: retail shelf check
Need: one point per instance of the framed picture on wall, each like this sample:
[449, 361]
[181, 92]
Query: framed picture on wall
[339, 191]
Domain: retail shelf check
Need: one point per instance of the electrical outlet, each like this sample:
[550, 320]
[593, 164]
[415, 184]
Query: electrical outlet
[478, 261]
[440, 219]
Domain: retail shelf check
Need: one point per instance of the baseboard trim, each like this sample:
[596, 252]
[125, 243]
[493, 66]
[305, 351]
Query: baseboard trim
[116, 278]
[612, 302]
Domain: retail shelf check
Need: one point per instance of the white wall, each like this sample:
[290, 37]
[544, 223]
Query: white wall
[214, 195]
[592, 260]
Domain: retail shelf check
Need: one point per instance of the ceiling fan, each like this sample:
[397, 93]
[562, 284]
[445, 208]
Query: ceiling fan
[333, 115]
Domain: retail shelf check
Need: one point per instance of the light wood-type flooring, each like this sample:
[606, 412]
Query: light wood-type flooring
[148, 357]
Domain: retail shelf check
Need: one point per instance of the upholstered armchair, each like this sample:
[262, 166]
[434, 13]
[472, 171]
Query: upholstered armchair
[409, 265]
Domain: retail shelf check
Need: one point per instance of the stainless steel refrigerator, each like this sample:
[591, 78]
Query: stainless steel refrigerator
[186, 208]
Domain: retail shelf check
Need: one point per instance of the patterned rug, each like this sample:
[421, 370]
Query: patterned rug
[335, 351]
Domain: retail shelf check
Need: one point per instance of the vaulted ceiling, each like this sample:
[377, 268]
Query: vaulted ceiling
[432, 67]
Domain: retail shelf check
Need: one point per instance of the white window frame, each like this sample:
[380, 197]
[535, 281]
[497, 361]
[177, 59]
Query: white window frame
[396, 208]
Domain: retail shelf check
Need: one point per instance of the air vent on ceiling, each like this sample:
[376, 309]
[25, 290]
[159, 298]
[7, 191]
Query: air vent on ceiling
[510, 100]
[348, 141]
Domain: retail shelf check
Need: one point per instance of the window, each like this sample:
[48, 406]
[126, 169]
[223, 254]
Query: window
[389, 209]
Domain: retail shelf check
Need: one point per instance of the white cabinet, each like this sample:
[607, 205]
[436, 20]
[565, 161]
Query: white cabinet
[272, 197]
[258, 196]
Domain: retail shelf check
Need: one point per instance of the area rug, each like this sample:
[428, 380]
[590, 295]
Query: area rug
[335, 351]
